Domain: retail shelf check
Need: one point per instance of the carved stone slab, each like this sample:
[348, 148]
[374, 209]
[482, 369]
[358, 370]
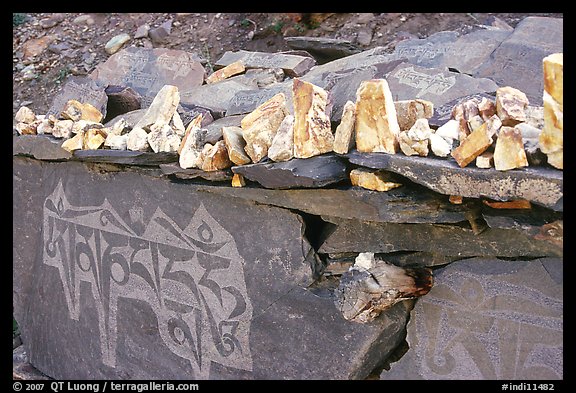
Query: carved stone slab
[148, 70]
[428, 52]
[541, 185]
[487, 319]
[164, 282]
[293, 65]
[517, 62]
[128, 157]
[82, 89]
[193, 173]
[408, 81]
[41, 147]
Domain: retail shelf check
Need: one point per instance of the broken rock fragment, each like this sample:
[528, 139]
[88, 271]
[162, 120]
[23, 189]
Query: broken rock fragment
[63, 129]
[472, 146]
[215, 157]
[440, 147]
[408, 111]
[162, 138]
[162, 108]
[312, 128]
[235, 144]
[282, 148]
[485, 160]
[260, 126]
[551, 139]
[510, 105]
[372, 179]
[415, 140]
[344, 138]
[191, 145]
[93, 138]
[137, 140]
[25, 115]
[238, 180]
[377, 126]
[509, 150]
[234, 68]
[371, 286]
[74, 143]
[75, 110]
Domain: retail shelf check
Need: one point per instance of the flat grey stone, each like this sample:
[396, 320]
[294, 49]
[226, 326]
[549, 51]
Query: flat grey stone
[81, 89]
[314, 172]
[125, 157]
[517, 61]
[246, 100]
[408, 81]
[487, 319]
[22, 369]
[428, 52]
[403, 204]
[214, 129]
[41, 147]
[192, 173]
[471, 50]
[446, 239]
[165, 282]
[541, 185]
[148, 70]
[323, 49]
[293, 65]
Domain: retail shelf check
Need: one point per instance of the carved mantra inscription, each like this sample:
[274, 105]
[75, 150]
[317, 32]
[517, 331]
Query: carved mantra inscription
[192, 278]
[437, 84]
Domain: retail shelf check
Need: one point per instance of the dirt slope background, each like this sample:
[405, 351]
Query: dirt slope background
[49, 47]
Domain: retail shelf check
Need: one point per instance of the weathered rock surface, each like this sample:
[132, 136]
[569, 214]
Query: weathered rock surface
[40, 147]
[175, 170]
[344, 136]
[116, 42]
[408, 111]
[125, 157]
[234, 68]
[191, 145]
[415, 141]
[552, 137]
[312, 128]
[83, 88]
[282, 147]
[323, 49]
[510, 105]
[215, 157]
[161, 109]
[235, 144]
[541, 185]
[376, 126]
[313, 172]
[472, 146]
[509, 150]
[372, 180]
[480, 311]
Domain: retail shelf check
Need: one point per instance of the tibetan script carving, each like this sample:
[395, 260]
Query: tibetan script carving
[192, 278]
[434, 84]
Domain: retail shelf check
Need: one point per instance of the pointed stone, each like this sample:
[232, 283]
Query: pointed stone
[63, 129]
[234, 68]
[260, 126]
[439, 146]
[415, 140]
[215, 157]
[485, 160]
[238, 180]
[472, 146]
[119, 127]
[344, 137]
[376, 126]
[177, 125]
[510, 105]
[312, 128]
[116, 42]
[553, 66]
[486, 108]
[137, 140]
[74, 143]
[191, 145]
[235, 144]
[509, 150]
[162, 108]
[372, 180]
[162, 138]
[25, 115]
[75, 110]
[408, 111]
[458, 116]
[493, 125]
[282, 148]
[552, 139]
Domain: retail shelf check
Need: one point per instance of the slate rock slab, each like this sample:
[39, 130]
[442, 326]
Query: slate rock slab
[148, 70]
[517, 61]
[246, 100]
[177, 171]
[314, 172]
[293, 65]
[125, 157]
[323, 49]
[541, 185]
[82, 89]
[450, 240]
[427, 52]
[127, 276]
[41, 147]
[487, 319]
[408, 81]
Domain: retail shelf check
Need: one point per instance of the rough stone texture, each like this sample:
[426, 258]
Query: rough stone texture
[317, 171]
[323, 49]
[345, 136]
[376, 122]
[487, 319]
[372, 180]
[215, 157]
[137, 140]
[244, 100]
[509, 150]
[22, 369]
[312, 129]
[282, 147]
[235, 145]
[171, 261]
[121, 99]
[429, 52]
[472, 146]
[517, 61]
[443, 113]
[408, 111]
[163, 139]
[510, 105]
[25, 115]
[292, 65]
[551, 139]
[415, 141]
[408, 81]
[541, 185]
[162, 108]
[148, 70]
[116, 42]
[125, 157]
[234, 68]
[450, 240]
[82, 89]
[175, 170]
[440, 147]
